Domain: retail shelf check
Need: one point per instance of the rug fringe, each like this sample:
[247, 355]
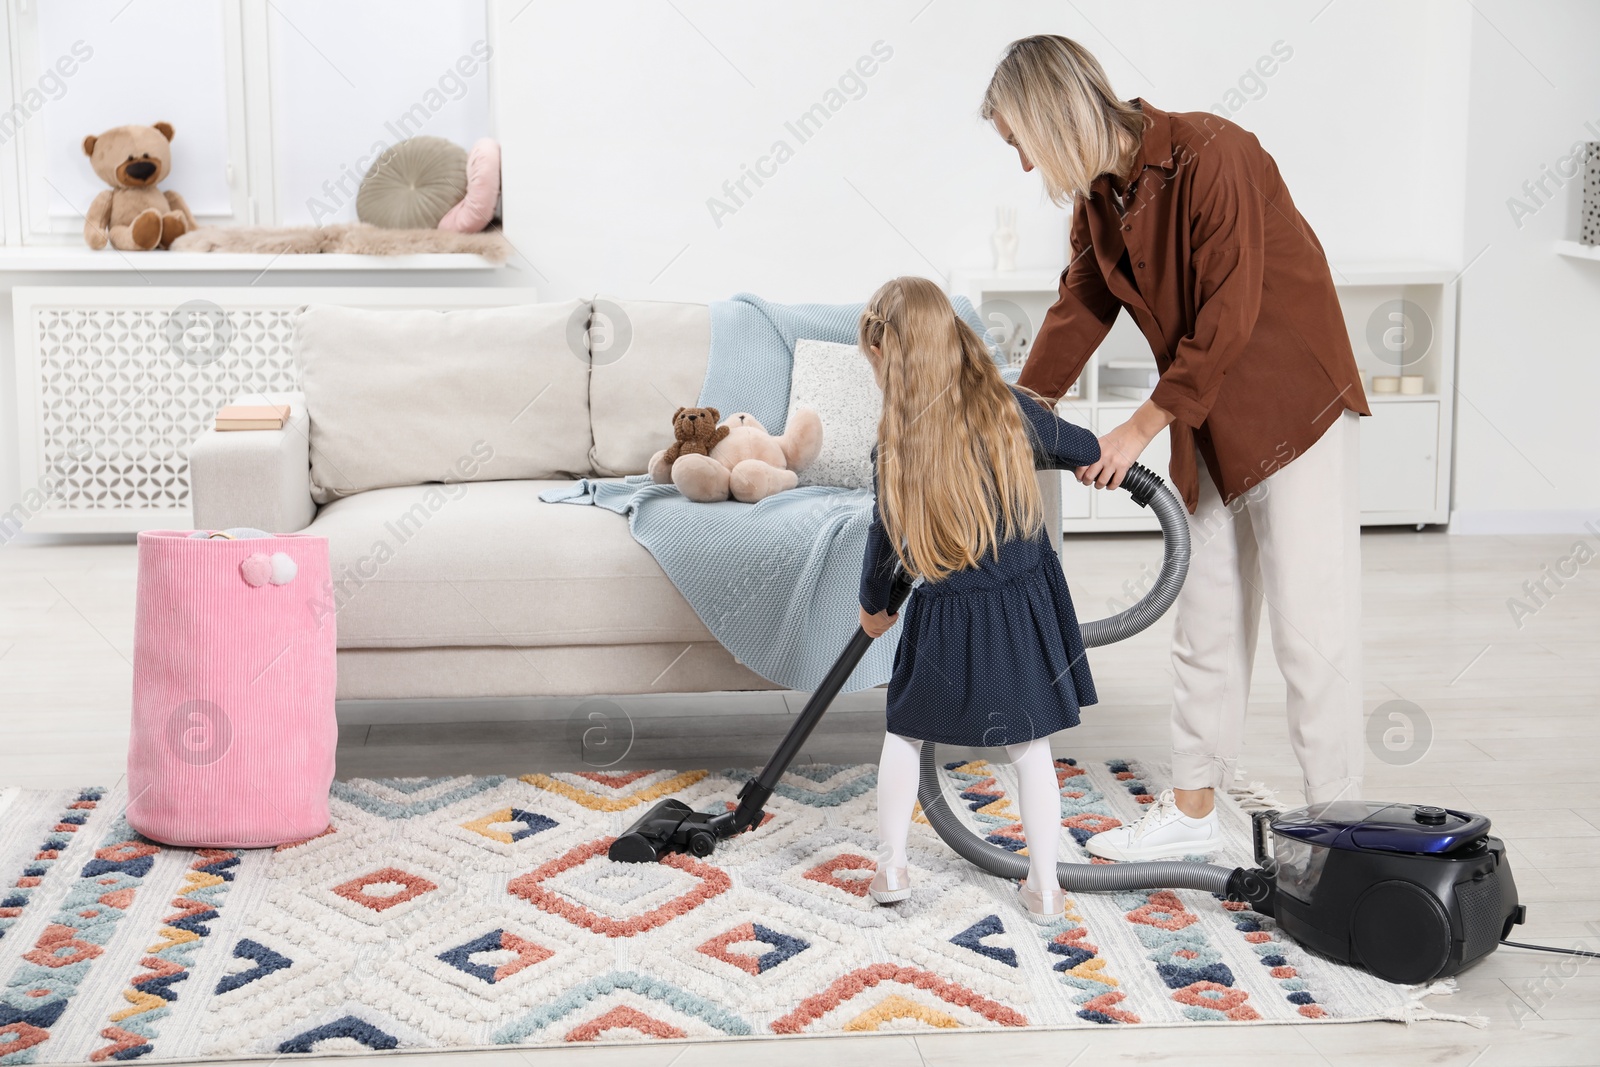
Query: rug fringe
[1416, 1011]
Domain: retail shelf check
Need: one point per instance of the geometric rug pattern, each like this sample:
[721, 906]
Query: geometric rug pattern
[481, 912]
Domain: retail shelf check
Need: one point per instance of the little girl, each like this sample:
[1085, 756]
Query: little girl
[990, 653]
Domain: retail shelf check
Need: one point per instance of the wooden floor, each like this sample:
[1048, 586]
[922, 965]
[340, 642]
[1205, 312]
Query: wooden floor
[1512, 705]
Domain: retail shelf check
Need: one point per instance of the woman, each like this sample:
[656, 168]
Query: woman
[1183, 220]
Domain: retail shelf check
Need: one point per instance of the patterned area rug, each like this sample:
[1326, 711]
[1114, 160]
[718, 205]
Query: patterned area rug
[480, 912]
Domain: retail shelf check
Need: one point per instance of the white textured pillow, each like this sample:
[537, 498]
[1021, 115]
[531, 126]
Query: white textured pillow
[837, 381]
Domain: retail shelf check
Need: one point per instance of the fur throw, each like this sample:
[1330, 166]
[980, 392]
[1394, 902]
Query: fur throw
[349, 237]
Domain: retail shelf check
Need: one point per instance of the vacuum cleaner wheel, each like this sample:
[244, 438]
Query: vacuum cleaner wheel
[1400, 933]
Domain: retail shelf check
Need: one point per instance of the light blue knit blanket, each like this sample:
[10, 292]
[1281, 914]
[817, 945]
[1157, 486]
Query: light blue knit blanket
[752, 350]
[775, 582]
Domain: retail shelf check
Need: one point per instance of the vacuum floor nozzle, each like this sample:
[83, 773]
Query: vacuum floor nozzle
[669, 826]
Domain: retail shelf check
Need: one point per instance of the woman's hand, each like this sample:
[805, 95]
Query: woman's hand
[877, 625]
[1121, 448]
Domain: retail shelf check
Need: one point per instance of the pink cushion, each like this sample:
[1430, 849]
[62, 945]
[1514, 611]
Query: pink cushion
[476, 209]
[233, 684]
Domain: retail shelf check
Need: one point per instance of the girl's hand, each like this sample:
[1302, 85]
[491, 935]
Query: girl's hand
[877, 625]
[1121, 448]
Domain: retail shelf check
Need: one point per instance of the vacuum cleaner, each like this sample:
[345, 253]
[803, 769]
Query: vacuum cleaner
[1410, 892]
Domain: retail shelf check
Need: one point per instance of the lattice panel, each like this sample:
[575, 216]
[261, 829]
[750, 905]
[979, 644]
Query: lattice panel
[122, 393]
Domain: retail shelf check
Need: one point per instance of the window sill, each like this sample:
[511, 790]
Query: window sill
[108, 260]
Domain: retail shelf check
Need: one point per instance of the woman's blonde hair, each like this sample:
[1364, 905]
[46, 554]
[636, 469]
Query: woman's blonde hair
[1054, 95]
[955, 462]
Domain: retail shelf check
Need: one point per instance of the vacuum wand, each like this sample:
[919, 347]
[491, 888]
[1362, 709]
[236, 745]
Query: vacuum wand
[753, 797]
[672, 826]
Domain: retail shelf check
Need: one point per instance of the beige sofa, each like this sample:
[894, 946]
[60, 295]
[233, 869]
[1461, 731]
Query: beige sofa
[451, 577]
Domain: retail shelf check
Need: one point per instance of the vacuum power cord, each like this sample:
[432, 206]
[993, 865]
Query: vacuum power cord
[1552, 948]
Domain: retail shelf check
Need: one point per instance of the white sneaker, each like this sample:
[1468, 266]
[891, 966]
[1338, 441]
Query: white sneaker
[1164, 833]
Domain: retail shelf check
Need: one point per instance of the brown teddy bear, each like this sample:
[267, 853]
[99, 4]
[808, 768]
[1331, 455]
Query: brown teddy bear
[133, 214]
[696, 432]
[748, 463]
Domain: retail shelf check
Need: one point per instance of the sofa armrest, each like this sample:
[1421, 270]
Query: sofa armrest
[259, 478]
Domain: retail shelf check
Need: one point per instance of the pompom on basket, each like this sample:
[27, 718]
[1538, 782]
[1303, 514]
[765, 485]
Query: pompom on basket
[234, 731]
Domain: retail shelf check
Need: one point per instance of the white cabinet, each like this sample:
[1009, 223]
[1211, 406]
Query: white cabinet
[1157, 456]
[1400, 461]
[1077, 500]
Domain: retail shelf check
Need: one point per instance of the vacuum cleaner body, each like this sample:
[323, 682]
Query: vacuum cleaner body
[1410, 892]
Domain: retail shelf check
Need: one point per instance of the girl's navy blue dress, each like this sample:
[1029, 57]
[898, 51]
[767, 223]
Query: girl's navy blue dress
[990, 655]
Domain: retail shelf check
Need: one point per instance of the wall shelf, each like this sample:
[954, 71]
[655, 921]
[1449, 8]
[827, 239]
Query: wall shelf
[1577, 250]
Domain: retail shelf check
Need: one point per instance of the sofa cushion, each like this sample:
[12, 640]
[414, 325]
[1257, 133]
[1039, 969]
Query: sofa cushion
[407, 397]
[488, 563]
[649, 360]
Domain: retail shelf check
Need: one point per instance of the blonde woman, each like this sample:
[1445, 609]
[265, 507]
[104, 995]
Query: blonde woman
[990, 653]
[1183, 220]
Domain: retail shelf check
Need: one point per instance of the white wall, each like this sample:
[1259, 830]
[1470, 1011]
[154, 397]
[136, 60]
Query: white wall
[1528, 372]
[612, 149]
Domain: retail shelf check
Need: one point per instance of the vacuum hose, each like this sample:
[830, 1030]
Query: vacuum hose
[1147, 491]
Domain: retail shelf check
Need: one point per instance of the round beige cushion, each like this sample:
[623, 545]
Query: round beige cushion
[413, 184]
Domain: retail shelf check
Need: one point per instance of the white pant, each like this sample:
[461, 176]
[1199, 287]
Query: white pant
[1293, 540]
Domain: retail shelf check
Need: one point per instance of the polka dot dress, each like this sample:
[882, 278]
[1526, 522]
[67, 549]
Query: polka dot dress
[991, 655]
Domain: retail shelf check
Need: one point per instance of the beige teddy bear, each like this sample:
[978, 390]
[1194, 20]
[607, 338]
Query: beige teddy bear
[748, 464]
[133, 214]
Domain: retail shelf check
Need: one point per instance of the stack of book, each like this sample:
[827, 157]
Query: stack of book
[253, 417]
[1128, 379]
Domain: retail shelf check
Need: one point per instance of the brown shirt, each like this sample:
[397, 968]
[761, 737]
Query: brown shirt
[1230, 287]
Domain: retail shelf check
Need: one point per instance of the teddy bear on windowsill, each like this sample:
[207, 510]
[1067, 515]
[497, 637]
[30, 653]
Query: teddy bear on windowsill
[133, 215]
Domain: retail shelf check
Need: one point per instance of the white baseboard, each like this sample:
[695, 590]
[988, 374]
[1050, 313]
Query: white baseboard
[1524, 522]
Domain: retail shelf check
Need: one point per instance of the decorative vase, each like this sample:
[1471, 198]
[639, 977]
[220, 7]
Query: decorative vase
[1005, 240]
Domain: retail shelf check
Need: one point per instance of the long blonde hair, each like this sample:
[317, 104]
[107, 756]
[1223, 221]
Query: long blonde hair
[955, 462]
[1054, 95]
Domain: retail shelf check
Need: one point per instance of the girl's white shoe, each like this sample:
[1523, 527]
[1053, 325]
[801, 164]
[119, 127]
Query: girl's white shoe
[1164, 833]
[890, 885]
[1045, 907]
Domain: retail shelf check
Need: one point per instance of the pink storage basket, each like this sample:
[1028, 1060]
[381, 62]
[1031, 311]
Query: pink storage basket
[233, 688]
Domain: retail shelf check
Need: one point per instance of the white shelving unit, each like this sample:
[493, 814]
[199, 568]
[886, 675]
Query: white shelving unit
[1405, 445]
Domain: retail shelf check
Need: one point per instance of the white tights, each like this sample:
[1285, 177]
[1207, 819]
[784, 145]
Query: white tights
[1040, 801]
